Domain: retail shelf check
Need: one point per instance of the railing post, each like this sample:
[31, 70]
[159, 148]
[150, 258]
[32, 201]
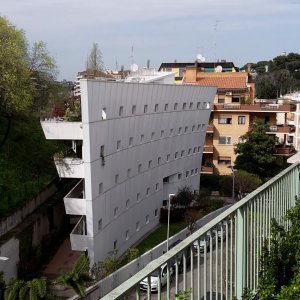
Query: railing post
[240, 255]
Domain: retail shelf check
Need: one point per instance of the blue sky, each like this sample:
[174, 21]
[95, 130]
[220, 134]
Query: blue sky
[159, 30]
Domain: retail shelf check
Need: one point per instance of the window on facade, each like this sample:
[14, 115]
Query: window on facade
[148, 191]
[102, 151]
[187, 174]
[118, 145]
[199, 148]
[240, 140]
[202, 127]
[241, 120]
[196, 171]
[204, 104]
[182, 153]
[103, 113]
[121, 111]
[147, 219]
[149, 163]
[198, 127]
[166, 106]
[137, 226]
[198, 105]
[179, 176]
[115, 212]
[145, 108]
[193, 128]
[176, 155]
[115, 244]
[190, 151]
[225, 119]
[142, 138]
[158, 160]
[130, 141]
[127, 203]
[100, 188]
[184, 106]
[155, 213]
[191, 105]
[235, 100]
[128, 172]
[162, 133]
[138, 197]
[186, 129]
[133, 109]
[156, 107]
[175, 106]
[224, 161]
[127, 235]
[116, 178]
[100, 224]
[157, 186]
[139, 168]
[179, 130]
[168, 157]
[152, 135]
[221, 99]
[192, 172]
[195, 149]
[224, 140]
[171, 131]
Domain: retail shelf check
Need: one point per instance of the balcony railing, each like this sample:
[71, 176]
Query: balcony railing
[208, 149]
[70, 167]
[74, 201]
[210, 128]
[207, 170]
[282, 129]
[78, 236]
[223, 256]
[285, 150]
[257, 107]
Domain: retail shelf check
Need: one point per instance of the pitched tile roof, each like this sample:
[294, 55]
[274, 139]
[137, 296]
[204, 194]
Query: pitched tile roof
[223, 82]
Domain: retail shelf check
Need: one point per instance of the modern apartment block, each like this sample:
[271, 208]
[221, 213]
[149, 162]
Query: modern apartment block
[135, 144]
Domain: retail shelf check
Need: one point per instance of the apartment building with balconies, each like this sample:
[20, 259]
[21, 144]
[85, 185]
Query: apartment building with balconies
[135, 144]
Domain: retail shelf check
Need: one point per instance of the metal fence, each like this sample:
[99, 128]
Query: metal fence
[223, 257]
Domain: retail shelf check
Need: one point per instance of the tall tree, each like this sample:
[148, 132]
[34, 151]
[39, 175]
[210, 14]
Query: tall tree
[94, 62]
[256, 154]
[15, 83]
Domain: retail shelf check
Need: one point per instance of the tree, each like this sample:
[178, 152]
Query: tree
[190, 218]
[15, 83]
[94, 62]
[184, 197]
[245, 183]
[256, 153]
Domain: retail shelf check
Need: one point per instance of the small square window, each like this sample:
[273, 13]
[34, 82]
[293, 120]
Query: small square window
[191, 105]
[179, 176]
[175, 106]
[184, 106]
[142, 138]
[127, 235]
[157, 186]
[166, 106]
[138, 196]
[100, 188]
[152, 135]
[192, 172]
[103, 113]
[196, 171]
[155, 213]
[118, 145]
[162, 133]
[186, 129]
[198, 127]
[158, 160]
[168, 157]
[176, 154]
[128, 172]
[195, 149]
[127, 203]
[199, 148]
[149, 163]
[148, 191]
[133, 109]
[171, 131]
[241, 120]
[130, 141]
[190, 151]
[187, 174]
[182, 153]
[116, 178]
[100, 224]
[145, 108]
[121, 111]
[139, 168]
[156, 108]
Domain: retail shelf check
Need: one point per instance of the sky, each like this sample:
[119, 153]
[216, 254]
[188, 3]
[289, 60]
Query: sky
[157, 30]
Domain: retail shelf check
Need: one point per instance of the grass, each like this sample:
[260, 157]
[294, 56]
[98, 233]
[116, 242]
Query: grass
[159, 235]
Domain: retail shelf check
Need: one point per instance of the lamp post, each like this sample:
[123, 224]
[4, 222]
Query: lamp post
[232, 170]
[3, 258]
[168, 227]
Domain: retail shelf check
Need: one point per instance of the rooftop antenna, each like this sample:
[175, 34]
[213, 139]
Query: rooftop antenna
[215, 26]
[131, 56]
[117, 67]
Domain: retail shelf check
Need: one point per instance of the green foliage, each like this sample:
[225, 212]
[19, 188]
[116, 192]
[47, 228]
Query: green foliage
[245, 182]
[111, 263]
[2, 286]
[132, 253]
[256, 154]
[184, 197]
[94, 61]
[77, 277]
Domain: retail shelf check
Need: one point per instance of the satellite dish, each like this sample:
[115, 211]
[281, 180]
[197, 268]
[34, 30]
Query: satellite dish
[134, 67]
[219, 68]
[200, 58]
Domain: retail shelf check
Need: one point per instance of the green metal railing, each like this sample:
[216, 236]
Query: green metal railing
[223, 257]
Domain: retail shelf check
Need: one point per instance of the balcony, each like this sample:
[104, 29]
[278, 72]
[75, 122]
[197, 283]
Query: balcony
[210, 128]
[78, 236]
[208, 149]
[59, 129]
[74, 201]
[69, 167]
[281, 129]
[229, 260]
[207, 170]
[284, 150]
[257, 107]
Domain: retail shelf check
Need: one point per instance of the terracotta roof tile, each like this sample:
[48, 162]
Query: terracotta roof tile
[223, 82]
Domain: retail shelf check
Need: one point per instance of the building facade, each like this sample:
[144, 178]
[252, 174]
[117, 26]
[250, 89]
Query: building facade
[135, 144]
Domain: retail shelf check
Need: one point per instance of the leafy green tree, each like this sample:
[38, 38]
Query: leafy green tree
[256, 153]
[184, 197]
[111, 263]
[245, 182]
[94, 62]
[132, 253]
[77, 277]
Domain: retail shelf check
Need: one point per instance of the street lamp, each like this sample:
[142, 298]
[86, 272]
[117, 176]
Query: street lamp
[3, 258]
[168, 228]
[232, 170]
